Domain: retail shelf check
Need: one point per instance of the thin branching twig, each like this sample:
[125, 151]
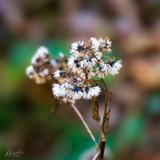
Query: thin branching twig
[84, 123]
[96, 155]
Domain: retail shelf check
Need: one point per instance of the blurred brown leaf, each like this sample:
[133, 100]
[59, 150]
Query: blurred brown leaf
[95, 109]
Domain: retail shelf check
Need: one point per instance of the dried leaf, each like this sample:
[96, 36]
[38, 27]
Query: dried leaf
[95, 109]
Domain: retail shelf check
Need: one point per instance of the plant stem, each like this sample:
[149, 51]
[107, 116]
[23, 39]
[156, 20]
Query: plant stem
[105, 121]
[96, 155]
[84, 123]
[102, 140]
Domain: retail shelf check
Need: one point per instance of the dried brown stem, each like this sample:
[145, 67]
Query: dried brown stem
[102, 140]
[96, 155]
[84, 123]
[105, 121]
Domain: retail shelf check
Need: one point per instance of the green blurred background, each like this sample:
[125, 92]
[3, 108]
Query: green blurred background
[27, 120]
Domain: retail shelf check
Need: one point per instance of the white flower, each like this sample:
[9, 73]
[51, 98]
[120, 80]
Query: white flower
[77, 93]
[39, 77]
[87, 93]
[76, 47]
[70, 94]
[30, 72]
[42, 54]
[106, 43]
[62, 90]
[90, 74]
[46, 71]
[54, 63]
[59, 90]
[95, 44]
[91, 92]
[42, 50]
[55, 90]
[118, 64]
[80, 67]
[98, 54]
[73, 62]
[95, 91]
[58, 74]
[61, 54]
[88, 63]
[41, 74]
[36, 59]
[114, 67]
[102, 70]
[68, 85]
[78, 71]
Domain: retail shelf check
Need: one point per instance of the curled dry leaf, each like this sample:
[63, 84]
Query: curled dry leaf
[95, 109]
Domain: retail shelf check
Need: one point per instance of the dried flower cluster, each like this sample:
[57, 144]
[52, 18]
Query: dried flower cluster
[42, 67]
[86, 60]
[72, 79]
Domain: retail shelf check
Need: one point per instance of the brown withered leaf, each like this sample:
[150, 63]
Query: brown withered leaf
[95, 109]
[106, 121]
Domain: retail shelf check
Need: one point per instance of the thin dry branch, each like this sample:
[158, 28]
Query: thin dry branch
[105, 121]
[84, 123]
[96, 155]
[102, 140]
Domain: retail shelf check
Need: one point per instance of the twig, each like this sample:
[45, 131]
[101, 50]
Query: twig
[84, 123]
[105, 121]
[102, 140]
[96, 155]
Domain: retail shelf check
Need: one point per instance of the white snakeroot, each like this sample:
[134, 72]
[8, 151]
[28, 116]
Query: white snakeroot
[74, 78]
[105, 43]
[98, 54]
[42, 51]
[91, 74]
[55, 90]
[84, 63]
[76, 47]
[30, 72]
[41, 55]
[114, 67]
[61, 54]
[96, 91]
[53, 63]
[42, 66]
[95, 44]
[88, 63]
[118, 64]
[57, 74]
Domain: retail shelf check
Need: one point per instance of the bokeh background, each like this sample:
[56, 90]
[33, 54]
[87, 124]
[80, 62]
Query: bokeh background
[27, 118]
